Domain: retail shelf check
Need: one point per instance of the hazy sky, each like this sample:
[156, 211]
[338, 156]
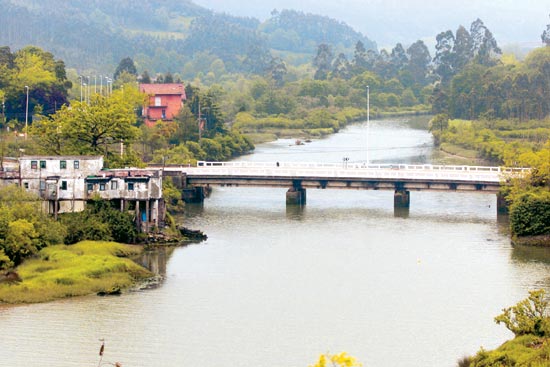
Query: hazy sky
[390, 21]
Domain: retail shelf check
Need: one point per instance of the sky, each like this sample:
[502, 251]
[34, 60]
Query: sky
[517, 23]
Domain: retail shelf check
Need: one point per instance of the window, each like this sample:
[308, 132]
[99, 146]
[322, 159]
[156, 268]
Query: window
[114, 185]
[42, 164]
[34, 164]
[157, 101]
[63, 185]
[163, 114]
[63, 164]
[26, 185]
[76, 164]
[130, 186]
[101, 187]
[42, 185]
[90, 187]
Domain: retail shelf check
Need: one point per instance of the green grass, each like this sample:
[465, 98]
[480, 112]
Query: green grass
[526, 350]
[84, 268]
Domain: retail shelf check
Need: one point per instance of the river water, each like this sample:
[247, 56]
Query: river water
[276, 286]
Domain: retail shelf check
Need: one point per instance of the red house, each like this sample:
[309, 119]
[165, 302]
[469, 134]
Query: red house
[165, 101]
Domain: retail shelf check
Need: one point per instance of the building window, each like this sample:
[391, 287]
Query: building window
[34, 164]
[130, 186]
[63, 164]
[63, 185]
[42, 164]
[101, 187]
[26, 185]
[76, 164]
[42, 185]
[114, 185]
[163, 114]
[157, 101]
[90, 187]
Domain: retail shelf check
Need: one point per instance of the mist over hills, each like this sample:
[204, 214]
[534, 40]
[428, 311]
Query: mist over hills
[165, 35]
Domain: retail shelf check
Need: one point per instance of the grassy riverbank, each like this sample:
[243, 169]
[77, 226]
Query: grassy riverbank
[87, 267]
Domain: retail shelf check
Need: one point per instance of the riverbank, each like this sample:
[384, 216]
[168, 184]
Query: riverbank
[318, 124]
[88, 267]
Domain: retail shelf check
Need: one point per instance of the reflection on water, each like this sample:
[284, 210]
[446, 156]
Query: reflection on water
[277, 285]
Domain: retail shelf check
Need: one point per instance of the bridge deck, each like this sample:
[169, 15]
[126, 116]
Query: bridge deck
[350, 175]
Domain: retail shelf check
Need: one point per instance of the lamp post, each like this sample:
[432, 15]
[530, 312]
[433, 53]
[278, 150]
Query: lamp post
[80, 76]
[27, 112]
[368, 122]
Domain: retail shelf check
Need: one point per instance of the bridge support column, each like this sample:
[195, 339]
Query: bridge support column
[502, 204]
[193, 194]
[296, 196]
[401, 199]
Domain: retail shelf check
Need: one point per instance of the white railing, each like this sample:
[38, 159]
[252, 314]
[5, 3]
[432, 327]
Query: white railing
[352, 170]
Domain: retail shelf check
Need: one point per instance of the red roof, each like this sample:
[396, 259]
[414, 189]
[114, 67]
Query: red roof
[157, 89]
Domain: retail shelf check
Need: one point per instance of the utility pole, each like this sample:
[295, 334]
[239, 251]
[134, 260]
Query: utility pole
[27, 113]
[368, 121]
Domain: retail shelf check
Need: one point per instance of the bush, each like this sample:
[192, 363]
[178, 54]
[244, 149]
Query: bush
[530, 213]
[528, 316]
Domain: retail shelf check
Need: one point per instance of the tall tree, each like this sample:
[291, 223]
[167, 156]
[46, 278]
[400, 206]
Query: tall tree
[443, 59]
[419, 61]
[484, 43]
[359, 62]
[323, 61]
[545, 36]
[341, 67]
[127, 65]
[463, 49]
[398, 60]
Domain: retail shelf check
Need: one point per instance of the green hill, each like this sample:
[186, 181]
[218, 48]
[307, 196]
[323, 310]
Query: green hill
[162, 35]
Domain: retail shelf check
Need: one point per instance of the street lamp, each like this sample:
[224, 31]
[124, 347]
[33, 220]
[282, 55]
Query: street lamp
[368, 121]
[80, 76]
[27, 112]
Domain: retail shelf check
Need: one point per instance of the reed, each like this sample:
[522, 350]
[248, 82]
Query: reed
[84, 268]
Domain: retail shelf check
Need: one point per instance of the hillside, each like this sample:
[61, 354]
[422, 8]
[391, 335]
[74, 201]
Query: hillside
[163, 35]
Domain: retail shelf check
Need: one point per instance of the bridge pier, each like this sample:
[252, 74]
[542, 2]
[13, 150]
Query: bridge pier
[401, 199]
[193, 194]
[502, 204]
[296, 196]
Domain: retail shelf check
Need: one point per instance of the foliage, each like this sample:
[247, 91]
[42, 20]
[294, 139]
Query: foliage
[91, 129]
[336, 360]
[529, 316]
[523, 351]
[530, 213]
[80, 269]
[24, 228]
[36, 69]
[126, 65]
[100, 221]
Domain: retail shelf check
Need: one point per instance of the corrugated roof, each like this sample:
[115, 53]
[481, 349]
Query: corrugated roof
[170, 88]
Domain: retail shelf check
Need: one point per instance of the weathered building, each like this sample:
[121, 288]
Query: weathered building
[67, 183]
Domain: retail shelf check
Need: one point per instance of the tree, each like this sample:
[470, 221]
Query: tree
[127, 65]
[91, 128]
[546, 35]
[359, 62]
[398, 60]
[341, 67]
[443, 59]
[462, 49]
[419, 61]
[145, 78]
[323, 61]
[528, 316]
[484, 43]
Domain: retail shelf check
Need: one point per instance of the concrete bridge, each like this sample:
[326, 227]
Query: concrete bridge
[297, 177]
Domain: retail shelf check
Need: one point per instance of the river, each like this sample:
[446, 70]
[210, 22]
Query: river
[276, 286]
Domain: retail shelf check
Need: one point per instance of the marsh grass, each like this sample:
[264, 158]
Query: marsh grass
[525, 350]
[84, 268]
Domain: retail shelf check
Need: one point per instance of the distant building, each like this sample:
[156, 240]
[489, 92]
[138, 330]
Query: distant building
[165, 101]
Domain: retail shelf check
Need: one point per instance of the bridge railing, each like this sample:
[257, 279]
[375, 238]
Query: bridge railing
[361, 166]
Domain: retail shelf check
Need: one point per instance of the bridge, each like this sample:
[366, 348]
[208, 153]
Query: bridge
[297, 177]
